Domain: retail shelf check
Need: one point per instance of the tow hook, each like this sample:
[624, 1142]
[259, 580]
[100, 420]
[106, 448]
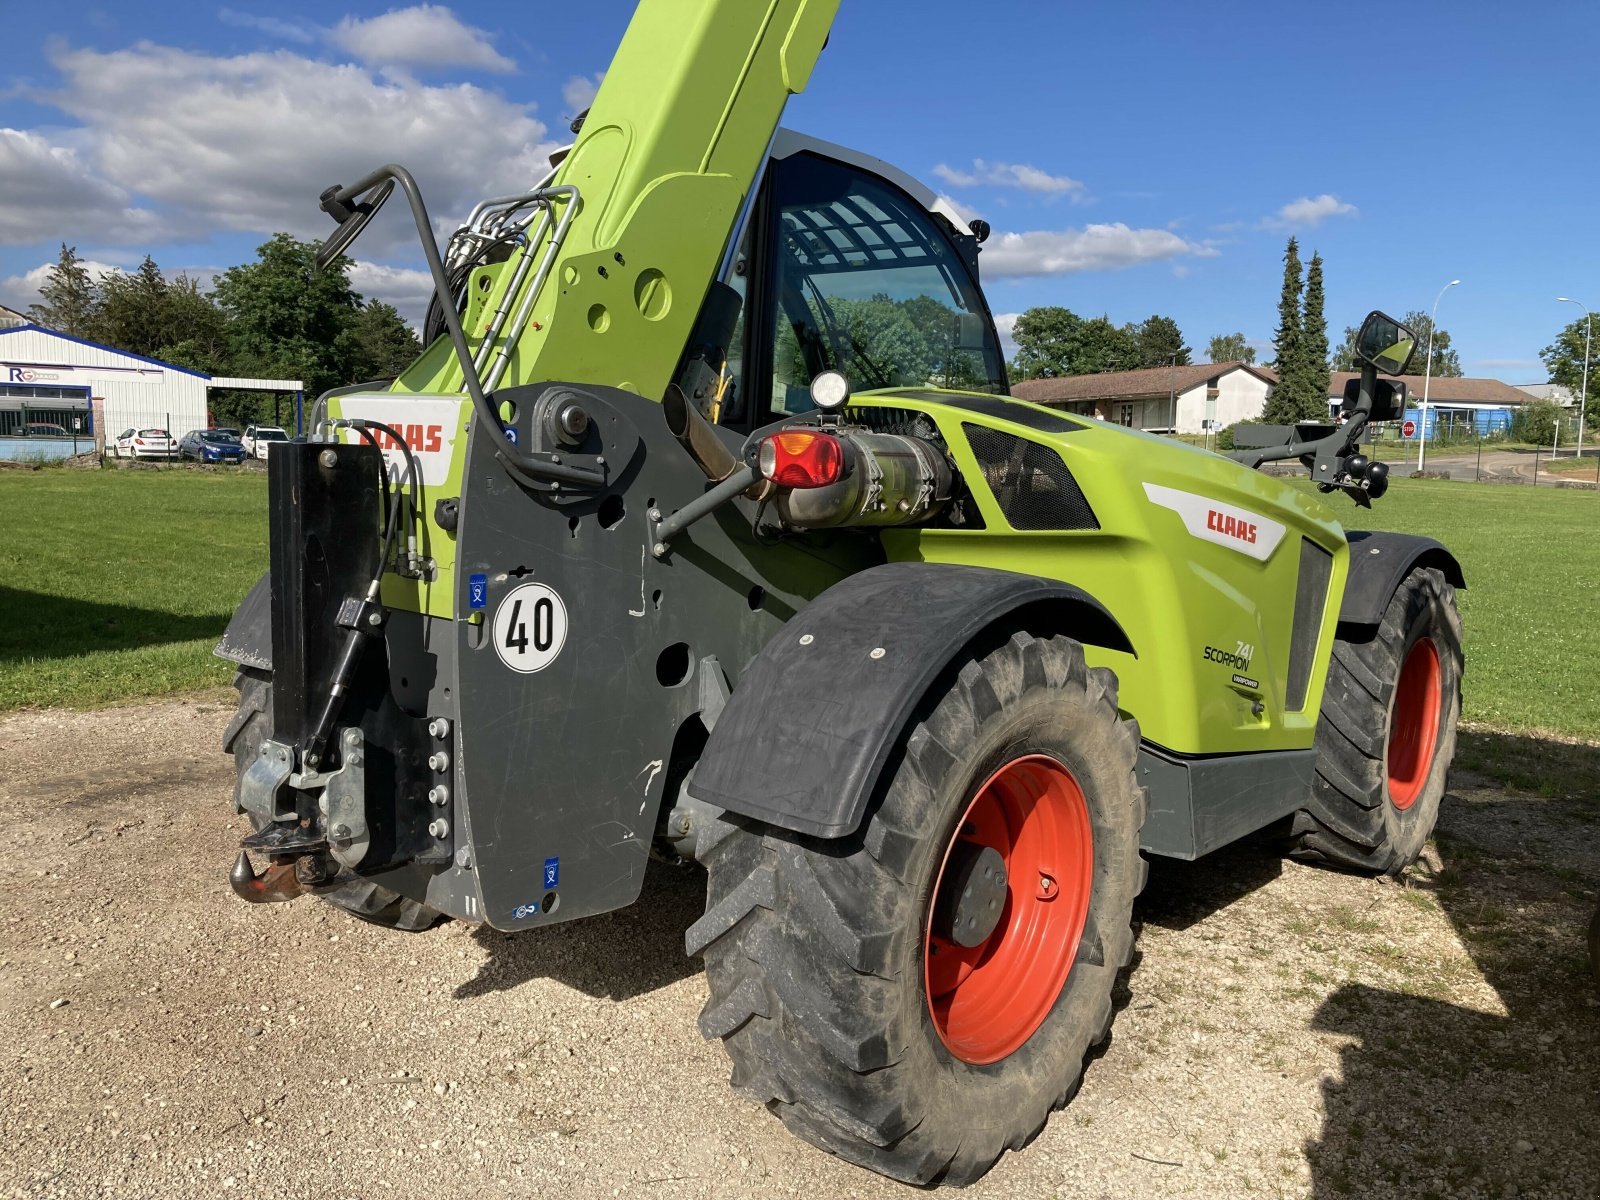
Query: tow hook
[282, 880]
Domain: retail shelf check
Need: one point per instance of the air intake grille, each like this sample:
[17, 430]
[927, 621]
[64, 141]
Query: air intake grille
[1310, 599]
[1030, 482]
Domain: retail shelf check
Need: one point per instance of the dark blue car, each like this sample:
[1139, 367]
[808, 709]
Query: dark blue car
[212, 446]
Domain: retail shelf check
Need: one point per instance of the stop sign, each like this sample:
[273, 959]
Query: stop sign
[1409, 429]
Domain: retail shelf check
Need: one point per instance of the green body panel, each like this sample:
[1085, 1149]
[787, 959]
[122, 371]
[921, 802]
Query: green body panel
[1173, 593]
[670, 149]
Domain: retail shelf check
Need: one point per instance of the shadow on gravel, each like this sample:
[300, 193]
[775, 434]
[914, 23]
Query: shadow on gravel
[1178, 894]
[615, 956]
[1438, 1099]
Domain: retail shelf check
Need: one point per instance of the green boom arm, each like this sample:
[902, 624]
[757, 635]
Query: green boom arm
[663, 164]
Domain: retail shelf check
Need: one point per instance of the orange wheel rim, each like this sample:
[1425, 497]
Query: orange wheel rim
[1414, 723]
[987, 999]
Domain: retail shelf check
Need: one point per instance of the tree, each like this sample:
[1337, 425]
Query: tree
[1230, 347]
[1563, 358]
[1100, 346]
[1312, 394]
[1160, 342]
[146, 313]
[285, 318]
[67, 297]
[1535, 422]
[1285, 401]
[379, 344]
[1446, 362]
[1044, 338]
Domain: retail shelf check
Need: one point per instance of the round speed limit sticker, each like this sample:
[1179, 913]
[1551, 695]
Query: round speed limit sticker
[530, 627]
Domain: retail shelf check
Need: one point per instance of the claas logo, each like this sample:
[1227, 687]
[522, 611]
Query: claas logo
[424, 439]
[1231, 526]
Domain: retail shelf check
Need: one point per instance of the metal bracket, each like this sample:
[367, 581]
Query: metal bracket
[344, 802]
[261, 788]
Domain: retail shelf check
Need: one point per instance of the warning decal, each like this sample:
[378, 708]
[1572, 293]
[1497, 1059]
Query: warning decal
[530, 627]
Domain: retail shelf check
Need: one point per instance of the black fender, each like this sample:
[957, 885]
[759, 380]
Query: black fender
[1378, 562]
[818, 712]
[248, 638]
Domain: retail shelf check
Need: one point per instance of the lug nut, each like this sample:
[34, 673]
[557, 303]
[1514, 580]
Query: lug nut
[439, 727]
[439, 795]
[439, 761]
[439, 828]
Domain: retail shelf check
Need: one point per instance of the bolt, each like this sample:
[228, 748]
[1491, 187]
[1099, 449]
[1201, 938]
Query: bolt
[1047, 886]
[439, 828]
[599, 460]
[352, 737]
[342, 832]
[313, 759]
[654, 514]
[439, 795]
[877, 653]
[806, 639]
[439, 727]
[375, 618]
[464, 859]
[328, 458]
[659, 549]
[353, 758]
[439, 761]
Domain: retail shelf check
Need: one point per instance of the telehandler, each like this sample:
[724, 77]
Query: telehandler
[705, 529]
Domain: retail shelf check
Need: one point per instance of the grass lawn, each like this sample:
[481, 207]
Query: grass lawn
[116, 584]
[1531, 609]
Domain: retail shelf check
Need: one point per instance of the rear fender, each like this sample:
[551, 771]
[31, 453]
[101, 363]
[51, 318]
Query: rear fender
[816, 715]
[248, 638]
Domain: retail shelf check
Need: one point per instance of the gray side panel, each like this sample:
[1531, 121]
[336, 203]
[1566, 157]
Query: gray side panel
[1200, 804]
[1379, 561]
[248, 638]
[817, 714]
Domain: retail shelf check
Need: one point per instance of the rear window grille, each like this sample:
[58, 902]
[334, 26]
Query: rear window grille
[1030, 483]
[1310, 600]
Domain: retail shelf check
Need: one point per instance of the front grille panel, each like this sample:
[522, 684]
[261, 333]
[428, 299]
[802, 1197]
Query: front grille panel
[1030, 482]
[1310, 600]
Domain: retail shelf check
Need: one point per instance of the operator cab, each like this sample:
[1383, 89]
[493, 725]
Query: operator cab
[842, 263]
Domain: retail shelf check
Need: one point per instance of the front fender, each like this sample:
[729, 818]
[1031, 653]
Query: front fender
[1378, 562]
[816, 715]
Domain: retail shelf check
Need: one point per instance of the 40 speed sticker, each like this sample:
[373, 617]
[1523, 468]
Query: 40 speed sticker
[530, 627]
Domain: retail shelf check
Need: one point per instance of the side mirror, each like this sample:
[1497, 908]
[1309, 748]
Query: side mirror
[971, 331]
[1385, 344]
[1388, 400]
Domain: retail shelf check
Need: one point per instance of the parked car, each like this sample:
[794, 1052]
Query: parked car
[211, 445]
[45, 429]
[258, 437]
[144, 443]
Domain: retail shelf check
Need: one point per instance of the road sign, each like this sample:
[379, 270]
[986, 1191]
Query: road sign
[1409, 429]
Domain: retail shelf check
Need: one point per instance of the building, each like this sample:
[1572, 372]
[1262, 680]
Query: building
[10, 318]
[1177, 399]
[1467, 406]
[52, 378]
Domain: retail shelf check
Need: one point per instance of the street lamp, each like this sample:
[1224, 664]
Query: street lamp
[1583, 394]
[1427, 378]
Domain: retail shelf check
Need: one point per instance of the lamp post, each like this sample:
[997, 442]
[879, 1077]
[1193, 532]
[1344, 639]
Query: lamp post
[1427, 378]
[1583, 392]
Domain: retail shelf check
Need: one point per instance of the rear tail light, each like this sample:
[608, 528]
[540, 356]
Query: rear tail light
[801, 458]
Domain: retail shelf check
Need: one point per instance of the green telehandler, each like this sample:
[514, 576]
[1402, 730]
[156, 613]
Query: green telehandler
[705, 530]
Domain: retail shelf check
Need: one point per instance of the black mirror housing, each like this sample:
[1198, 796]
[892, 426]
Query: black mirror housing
[1388, 399]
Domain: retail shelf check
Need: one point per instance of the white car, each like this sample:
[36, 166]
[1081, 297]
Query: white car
[144, 443]
[257, 438]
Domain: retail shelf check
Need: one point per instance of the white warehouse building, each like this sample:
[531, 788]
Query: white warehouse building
[49, 378]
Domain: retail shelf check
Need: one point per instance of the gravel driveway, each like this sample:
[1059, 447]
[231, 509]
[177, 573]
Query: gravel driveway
[1288, 1032]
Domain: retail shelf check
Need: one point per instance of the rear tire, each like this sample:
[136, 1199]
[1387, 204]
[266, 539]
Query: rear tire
[360, 897]
[820, 956]
[1386, 734]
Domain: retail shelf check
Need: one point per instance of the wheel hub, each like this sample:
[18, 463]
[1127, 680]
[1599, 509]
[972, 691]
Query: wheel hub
[973, 894]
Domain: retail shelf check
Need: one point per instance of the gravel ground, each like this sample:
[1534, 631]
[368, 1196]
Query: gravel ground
[1288, 1031]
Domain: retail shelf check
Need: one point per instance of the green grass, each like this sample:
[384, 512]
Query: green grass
[1531, 608]
[116, 584]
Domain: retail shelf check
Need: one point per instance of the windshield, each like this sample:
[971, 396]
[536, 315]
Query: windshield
[870, 284]
[271, 435]
[221, 435]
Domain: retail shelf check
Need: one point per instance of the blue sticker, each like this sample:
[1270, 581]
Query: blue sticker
[552, 872]
[477, 591]
[523, 911]
[511, 434]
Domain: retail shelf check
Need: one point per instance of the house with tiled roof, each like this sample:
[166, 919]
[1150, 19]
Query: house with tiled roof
[1480, 406]
[1175, 399]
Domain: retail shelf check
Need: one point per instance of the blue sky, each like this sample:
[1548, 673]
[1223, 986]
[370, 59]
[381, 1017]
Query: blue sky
[1133, 159]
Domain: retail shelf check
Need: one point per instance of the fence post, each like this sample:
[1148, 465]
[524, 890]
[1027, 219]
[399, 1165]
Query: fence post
[1536, 466]
[1477, 474]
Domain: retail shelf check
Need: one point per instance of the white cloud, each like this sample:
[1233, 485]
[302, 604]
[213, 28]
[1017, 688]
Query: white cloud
[48, 193]
[290, 31]
[1092, 248]
[407, 289]
[19, 291]
[1014, 175]
[1005, 324]
[579, 92]
[248, 142]
[427, 35]
[1310, 211]
[950, 206]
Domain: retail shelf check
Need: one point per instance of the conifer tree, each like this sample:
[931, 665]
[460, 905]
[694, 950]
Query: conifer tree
[1281, 406]
[67, 297]
[1312, 398]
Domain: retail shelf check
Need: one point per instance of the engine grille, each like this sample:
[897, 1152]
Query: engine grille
[1310, 599]
[1031, 484]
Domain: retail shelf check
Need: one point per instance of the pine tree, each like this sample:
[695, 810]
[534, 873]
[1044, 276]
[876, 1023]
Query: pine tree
[1281, 406]
[68, 296]
[1313, 395]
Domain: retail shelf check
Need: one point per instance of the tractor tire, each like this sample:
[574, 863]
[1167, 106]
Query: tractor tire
[821, 956]
[358, 896]
[1386, 734]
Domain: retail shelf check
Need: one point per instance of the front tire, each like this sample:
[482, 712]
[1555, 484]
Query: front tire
[360, 897]
[822, 956]
[1386, 734]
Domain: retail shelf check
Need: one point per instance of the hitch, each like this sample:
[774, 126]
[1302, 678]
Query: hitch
[282, 880]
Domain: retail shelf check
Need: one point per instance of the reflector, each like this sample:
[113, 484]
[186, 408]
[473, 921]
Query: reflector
[802, 458]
